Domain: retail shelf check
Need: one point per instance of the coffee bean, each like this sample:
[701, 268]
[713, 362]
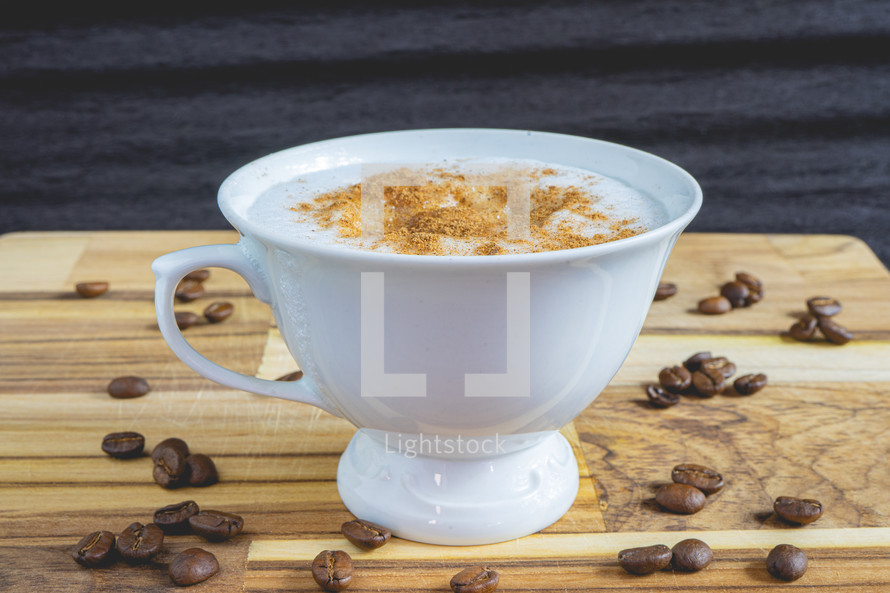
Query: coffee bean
[332, 570]
[365, 534]
[693, 363]
[171, 469]
[476, 579]
[804, 329]
[835, 332]
[675, 379]
[295, 376]
[192, 566]
[139, 543]
[128, 387]
[680, 498]
[691, 555]
[171, 443]
[189, 290]
[786, 562]
[645, 560]
[748, 280]
[90, 290]
[708, 383]
[219, 311]
[703, 478]
[822, 306]
[714, 305]
[198, 275]
[216, 525]
[174, 518]
[123, 445]
[665, 290]
[736, 293]
[202, 470]
[721, 364]
[754, 296]
[801, 511]
[660, 398]
[186, 319]
[96, 549]
[749, 384]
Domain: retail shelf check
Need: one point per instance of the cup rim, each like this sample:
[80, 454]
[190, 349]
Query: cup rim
[250, 228]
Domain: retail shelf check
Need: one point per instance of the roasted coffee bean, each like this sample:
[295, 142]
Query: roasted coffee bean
[476, 579]
[822, 306]
[186, 319]
[693, 363]
[786, 562]
[189, 290]
[365, 534]
[801, 511]
[645, 560]
[736, 293]
[660, 398]
[665, 290]
[295, 376]
[123, 445]
[332, 570]
[171, 443]
[89, 290]
[714, 305]
[804, 329]
[216, 525]
[708, 383]
[703, 478]
[128, 387]
[680, 498]
[219, 311]
[198, 275]
[202, 470]
[750, 384]
[754, 296]
[174, 518]
[835, 332]
[96, 549]
[171, 469]
[721, 364]
[192, 566]
[752, 282]
[139, 543]
[691, 555]
[675, 379]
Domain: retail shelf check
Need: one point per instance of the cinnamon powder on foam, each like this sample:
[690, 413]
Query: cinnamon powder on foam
[447, 216]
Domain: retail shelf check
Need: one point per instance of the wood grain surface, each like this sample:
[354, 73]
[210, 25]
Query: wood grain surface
[821, 429]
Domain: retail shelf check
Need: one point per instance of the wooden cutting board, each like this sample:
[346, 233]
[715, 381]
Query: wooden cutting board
[821, 429]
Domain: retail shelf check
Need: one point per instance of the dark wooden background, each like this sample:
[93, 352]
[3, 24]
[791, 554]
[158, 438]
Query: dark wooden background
[130, 119]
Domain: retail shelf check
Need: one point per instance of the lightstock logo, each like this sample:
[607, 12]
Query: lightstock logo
[375, 381]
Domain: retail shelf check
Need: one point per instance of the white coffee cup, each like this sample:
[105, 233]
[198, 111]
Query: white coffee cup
[491, 354]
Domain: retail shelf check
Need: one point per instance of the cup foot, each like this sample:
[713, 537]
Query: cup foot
[458, 501]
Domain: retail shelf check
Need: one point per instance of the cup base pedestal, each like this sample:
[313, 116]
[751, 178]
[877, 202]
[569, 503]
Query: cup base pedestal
[458, 501]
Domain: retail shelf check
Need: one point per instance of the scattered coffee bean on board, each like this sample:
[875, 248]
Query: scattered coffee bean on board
[799, 511]
[174, 518]
[128, 387]
[90, 290]
[693, 363]
[750, 384]
[660, 398]
[198, 275]
[192, 566]
[708, 382]
[786, 562]
[680, 498]
[139, 543]
[123, 445]
[691, 555]
[365, 534]
[804, 329]
[665, 290]
[202, 470]
[834, 332]
[720, 364]
[645, 560]
[716, 305]
[171, 443]
[822, 306]
[736, 293]
[704, 478]
[332, 570]
[95, 549]
[675, 379]
[219, 311]
[476, 579]
[216, 525]
[186, 319]
[171, 469]
[189, 290]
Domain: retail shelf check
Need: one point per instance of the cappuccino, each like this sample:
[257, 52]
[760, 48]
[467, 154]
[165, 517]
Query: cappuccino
[465, 207]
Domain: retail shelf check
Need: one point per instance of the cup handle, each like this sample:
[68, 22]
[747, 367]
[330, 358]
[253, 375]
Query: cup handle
[169, 270]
